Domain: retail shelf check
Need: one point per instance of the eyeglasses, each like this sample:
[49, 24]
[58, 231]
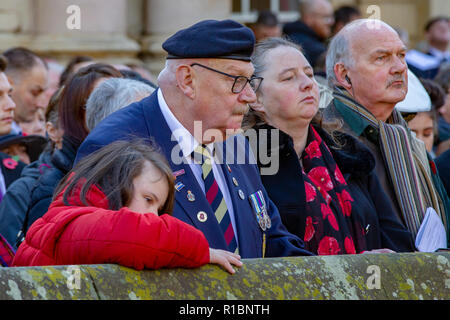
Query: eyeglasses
[239, 81]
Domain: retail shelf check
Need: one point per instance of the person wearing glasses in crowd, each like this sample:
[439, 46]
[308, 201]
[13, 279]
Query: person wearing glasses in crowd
[195, 117]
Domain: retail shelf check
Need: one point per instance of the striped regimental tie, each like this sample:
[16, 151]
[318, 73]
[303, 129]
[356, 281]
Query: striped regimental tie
[215, 197]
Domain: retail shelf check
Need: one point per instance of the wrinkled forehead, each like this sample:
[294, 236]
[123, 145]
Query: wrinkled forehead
[367, 39]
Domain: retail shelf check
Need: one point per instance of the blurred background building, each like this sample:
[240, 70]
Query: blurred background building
[131, 31]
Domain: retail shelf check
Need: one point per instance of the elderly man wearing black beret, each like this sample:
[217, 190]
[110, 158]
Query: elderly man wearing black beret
[193, 116]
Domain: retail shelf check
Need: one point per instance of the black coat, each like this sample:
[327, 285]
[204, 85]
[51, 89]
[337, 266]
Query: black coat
[16, 201]
[61, 163]
[286, 189]
[10, 175]
[313, 46]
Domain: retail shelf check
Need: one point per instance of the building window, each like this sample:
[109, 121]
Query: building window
[246, 11]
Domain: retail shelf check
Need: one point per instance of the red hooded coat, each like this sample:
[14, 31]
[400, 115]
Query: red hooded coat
[80, 234]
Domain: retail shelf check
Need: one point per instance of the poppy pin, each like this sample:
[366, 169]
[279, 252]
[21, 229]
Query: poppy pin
[10, 163]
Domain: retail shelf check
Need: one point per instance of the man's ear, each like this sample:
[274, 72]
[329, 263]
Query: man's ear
[52, 132]
[186, 80]
[342, 76]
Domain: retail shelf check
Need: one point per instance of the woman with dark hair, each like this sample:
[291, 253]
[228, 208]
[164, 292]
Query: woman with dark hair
[72, 120]
[325, 187]
[73, 66]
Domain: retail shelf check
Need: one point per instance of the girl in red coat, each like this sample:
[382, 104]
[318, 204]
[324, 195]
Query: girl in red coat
[114, 207]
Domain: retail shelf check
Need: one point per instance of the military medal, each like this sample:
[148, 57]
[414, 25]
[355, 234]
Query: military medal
[190, 196]
[259, 205]
[267, 220]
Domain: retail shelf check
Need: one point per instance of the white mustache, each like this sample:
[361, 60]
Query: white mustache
[243, 110]
[401, 78]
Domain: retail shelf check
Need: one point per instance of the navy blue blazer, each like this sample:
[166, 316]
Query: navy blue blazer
[144, 119]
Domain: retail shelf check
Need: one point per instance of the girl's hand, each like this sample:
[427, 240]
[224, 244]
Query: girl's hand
[224, 259]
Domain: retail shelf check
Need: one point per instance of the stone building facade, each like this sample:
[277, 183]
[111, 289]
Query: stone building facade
[129, 31]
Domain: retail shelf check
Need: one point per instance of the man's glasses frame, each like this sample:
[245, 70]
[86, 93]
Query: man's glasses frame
[239, 81]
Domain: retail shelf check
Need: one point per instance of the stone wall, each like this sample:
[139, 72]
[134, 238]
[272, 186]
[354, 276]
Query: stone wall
[355, 277]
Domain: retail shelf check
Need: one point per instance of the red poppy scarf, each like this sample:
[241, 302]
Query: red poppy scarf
[330, 226]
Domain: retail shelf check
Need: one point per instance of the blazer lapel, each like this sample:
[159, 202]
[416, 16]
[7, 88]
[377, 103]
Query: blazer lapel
[238, 193]
[195, 209]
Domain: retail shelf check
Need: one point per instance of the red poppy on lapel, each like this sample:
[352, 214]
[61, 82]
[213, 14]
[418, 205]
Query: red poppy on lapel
[10, 163]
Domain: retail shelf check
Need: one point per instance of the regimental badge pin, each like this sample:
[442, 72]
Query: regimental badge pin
[202, 216]
[179, 186]
[190, 196]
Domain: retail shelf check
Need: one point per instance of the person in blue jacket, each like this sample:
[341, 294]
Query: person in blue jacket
[194, 116]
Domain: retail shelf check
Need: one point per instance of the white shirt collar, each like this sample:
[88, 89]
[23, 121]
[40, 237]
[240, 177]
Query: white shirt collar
[185, 139]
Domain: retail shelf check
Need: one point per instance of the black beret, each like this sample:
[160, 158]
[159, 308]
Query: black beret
[225, 39]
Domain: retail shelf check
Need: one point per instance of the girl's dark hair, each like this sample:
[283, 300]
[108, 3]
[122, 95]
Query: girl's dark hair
[113, 169]
[71, 109]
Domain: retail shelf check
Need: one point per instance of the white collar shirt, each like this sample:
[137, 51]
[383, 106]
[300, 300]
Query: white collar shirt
[187, 143]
